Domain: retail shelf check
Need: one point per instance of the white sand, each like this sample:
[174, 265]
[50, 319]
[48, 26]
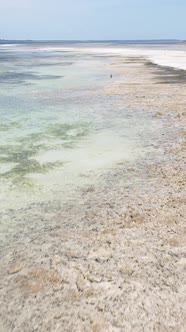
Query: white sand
[163, 57]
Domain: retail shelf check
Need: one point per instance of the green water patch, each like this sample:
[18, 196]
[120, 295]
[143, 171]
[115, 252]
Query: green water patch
[7, 126]
[68, 131]
[4, 127]
[18, 176]
[23, 151]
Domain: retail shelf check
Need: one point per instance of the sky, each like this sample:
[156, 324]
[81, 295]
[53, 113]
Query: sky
[92, 19]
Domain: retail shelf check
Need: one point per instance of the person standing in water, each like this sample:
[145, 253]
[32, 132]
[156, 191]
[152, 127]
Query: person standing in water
[110, 75]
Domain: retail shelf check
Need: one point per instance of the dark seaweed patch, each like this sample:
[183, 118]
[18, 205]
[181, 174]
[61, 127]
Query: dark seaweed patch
[23, 151]
[17, 77]
[50, 64]
[167, 75]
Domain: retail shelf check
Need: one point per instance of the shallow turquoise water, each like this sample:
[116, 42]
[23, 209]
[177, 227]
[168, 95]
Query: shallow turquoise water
[56, 124]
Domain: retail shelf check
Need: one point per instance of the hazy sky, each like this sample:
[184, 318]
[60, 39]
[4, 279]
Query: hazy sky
[92, 19]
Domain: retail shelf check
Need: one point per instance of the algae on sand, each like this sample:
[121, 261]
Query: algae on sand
[22, 152]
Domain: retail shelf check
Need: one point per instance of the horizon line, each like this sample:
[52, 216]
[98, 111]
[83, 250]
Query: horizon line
[93, 40]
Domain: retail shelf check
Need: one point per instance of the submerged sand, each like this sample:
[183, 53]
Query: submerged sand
[114, 259]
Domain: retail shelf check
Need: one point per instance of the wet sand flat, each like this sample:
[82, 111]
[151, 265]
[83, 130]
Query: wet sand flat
[114, 258]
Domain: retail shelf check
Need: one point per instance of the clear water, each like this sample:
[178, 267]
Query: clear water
[58, 128]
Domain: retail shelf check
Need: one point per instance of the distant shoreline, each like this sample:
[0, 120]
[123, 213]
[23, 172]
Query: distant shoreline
[141, 41]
